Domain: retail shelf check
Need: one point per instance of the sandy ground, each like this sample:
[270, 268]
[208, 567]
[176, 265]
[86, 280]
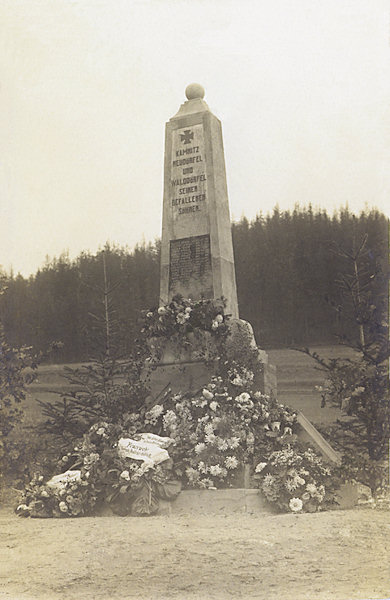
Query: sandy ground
[337, 555]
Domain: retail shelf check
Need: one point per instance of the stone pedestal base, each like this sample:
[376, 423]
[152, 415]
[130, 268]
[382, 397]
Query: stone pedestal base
[187, 371]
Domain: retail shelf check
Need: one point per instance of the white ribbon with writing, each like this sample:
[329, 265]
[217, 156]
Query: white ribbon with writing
[141, 450]
[158, 440]
[60, 481]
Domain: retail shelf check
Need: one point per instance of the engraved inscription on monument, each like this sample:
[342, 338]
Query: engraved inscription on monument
[190, 265]
[188, 170]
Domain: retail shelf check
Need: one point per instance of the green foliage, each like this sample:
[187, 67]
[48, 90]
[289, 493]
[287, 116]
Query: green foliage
[285, 269]
[108, 387]
[359, 386]
[105, 389]
[17, 369]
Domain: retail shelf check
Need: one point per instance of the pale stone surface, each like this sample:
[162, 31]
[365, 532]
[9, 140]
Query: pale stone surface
[209, 502]
[197, 252]
[194, 90]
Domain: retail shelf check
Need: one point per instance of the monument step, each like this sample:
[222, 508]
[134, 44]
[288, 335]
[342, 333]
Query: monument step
[251, 501]
[217, 502]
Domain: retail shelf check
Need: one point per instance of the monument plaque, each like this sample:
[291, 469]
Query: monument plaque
[190, 259]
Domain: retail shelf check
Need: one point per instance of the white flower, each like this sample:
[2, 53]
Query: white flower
[207, 394]
[125, 475]
[91, 459]
[199, 448]
[275, 426]
[222, 445]
[207, 483]
[192, 474]
[231, 462]
[169, 419]
[208, 428]
[234, 442]
[243, 398]
[268, 481]
[202, 467]
[181, 318]
[215, 470]
[311, 488]
[63, 507]
[295, 504]
[154, 412]
[300, 480]
[219, 318]
[162, 310]
[214, 325]
[149, 314]
[260, 467]
[100, 431]
[188, 310]
[214, 405]
[237, 381]
[200, 403]
[306, 496]
[44, 494]
[210, 438]
[290, 485]
[287, 431]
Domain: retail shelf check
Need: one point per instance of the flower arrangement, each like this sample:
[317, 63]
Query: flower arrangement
[211, 434]
[100, 473]
[220, 428]
[296, 480]
[186, 315]
[186, 325]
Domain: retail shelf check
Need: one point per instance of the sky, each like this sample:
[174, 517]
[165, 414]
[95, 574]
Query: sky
[302, 88]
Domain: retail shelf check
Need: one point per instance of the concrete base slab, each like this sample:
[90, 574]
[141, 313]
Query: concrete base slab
[217, 502]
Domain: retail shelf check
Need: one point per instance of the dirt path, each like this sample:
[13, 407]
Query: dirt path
[338, 555]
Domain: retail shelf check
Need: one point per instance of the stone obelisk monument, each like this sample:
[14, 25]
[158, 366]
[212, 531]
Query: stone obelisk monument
[197, 258]
[197, 252]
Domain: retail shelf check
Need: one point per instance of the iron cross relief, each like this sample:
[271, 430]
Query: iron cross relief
[187, 136]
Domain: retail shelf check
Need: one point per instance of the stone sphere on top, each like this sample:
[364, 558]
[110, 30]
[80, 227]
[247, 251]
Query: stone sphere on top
[194, 90]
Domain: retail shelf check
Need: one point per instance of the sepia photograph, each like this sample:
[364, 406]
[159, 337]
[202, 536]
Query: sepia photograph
[194, 300]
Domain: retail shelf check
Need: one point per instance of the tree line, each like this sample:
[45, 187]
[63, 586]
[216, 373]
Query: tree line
[286, 270]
